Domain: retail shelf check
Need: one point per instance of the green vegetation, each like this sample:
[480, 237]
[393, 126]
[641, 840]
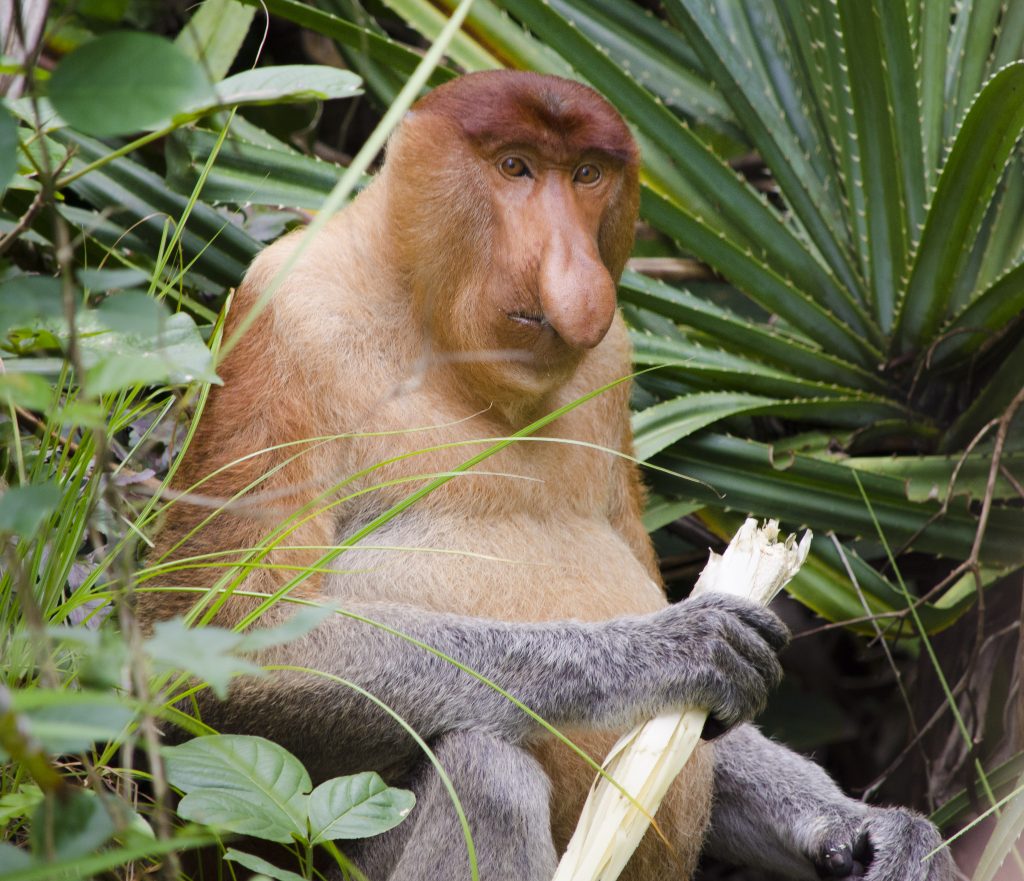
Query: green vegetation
[833, 202]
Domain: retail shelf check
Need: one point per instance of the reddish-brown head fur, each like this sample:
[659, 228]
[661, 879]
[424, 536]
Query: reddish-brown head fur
[523, 261]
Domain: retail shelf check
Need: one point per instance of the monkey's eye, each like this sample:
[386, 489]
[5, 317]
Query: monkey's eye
[513, 166]
[587, 174]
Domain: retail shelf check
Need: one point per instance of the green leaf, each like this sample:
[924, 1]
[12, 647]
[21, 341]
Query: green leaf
[23, 509]
[8, 148]
[356, 807]
[663, 424]
[138, 343]
[983, 319]
[74, 825]
[980, 152]
[747, 477]
[763, 119]
[30, 301]
[261, 866]
[13, 859]
[282, 83]
[297, 625]
[72, 721]
[757, 279]
[244, 784]
[247, 173]
[208, 653]
[661, 511]
[741, 335]
[392, 53]
[126, 82]
[214, 35]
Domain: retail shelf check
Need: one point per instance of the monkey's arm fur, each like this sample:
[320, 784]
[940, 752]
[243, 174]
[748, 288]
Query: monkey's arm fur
[713, 651]
[779, 811]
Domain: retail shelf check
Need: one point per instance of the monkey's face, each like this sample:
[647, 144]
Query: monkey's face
[519, 224]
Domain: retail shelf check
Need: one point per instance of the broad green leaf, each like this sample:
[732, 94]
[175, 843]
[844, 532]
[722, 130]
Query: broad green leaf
[287, 82]
[169, 350]
[13, 859]
[25, 390]
[297, 625]
[8, 148]
[744, 475]
[30, 301]
[259, 865]
[663, 424]
[112, 279]
[72, 721]
[74, 825]
[23, 509]
[927, 478]
[214, 35]
[124, 82]
[244, 784]
[356, 807]
[933, 40]
[975, 165]
[211, 654]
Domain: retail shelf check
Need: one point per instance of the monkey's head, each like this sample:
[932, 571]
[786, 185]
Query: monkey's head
[512, 198]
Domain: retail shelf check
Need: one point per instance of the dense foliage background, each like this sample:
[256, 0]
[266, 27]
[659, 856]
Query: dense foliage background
[829, 281]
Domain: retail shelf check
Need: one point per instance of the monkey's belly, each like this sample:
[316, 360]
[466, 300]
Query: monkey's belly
[576, 569]
[510, 568]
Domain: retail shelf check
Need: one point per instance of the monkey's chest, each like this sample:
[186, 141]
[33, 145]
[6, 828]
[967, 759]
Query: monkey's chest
[513, 567]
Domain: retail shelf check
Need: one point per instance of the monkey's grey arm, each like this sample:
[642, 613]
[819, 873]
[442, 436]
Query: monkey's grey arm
[779, 811]
[715, 651]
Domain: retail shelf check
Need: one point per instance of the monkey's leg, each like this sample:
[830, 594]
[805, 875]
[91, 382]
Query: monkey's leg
[504, 793]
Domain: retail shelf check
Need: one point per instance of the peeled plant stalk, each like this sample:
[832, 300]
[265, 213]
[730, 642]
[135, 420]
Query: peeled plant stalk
[755, 565]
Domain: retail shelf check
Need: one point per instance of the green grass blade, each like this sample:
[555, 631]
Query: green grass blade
[982, 148]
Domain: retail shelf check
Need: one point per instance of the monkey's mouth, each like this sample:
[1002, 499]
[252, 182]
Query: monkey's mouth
[529, 319]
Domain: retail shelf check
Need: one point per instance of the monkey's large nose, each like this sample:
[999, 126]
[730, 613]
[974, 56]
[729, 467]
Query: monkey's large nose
[576, 291]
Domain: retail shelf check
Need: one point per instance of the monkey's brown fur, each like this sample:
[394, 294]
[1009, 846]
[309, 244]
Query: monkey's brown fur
[394, 329]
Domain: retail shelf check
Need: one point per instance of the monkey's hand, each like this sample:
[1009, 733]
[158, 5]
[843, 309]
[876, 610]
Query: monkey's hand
[779, 811]
[880, 844]
[719, 654]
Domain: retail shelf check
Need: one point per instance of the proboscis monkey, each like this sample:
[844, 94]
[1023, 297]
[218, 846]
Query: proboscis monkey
[467, 291]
